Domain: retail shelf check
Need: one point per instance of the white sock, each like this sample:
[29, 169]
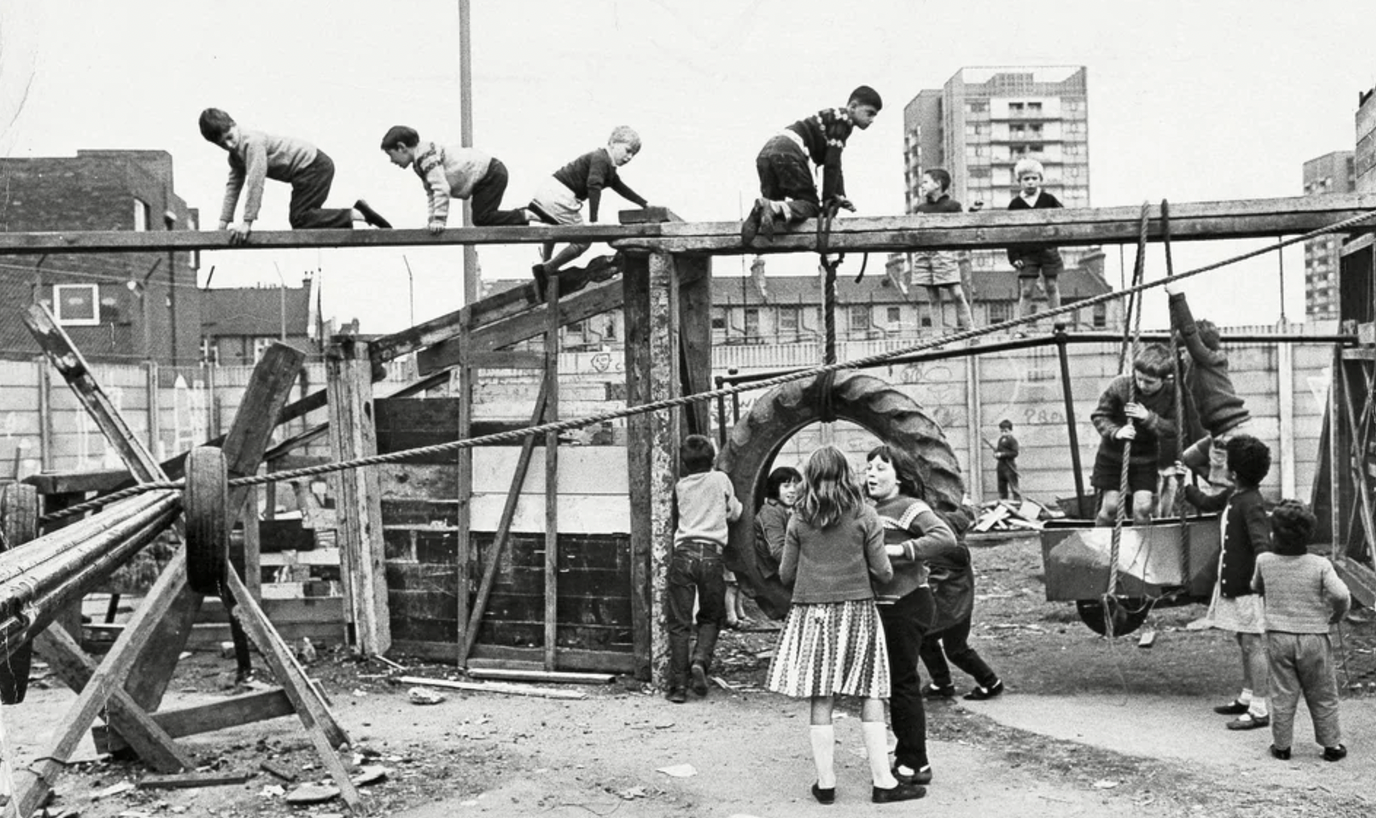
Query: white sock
[823, 738]
[1257, 707]
[1245, 697]
[876, 736]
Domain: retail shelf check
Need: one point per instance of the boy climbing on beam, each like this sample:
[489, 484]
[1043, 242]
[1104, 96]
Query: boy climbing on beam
[787, 192]
[255, 156]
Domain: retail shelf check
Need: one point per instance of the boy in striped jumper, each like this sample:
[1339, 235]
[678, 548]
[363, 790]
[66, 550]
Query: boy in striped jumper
[453, 171]
[1304, 596]
[787, 192]
[255, 156]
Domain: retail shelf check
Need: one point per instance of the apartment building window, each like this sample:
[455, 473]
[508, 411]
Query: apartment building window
[1034, 130]
[719, 319]
[1015, 107]
[895, 315]
[860, 317]
[752, 323]
[1000, 311]
[76, 305]
[976, 107]
[141, 214]
[788, 320]
[1034, 108]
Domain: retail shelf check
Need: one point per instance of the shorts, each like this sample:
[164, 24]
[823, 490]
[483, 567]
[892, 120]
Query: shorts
[1045, 262]
[555, 198]
[1107, 474]
[935, 269]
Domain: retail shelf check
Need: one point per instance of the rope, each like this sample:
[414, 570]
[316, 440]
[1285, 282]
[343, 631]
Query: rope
[829, 281]
[1134, 337]
[710, 395]
[1182, 422]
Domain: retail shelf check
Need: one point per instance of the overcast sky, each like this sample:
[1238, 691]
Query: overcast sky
[1188, 101]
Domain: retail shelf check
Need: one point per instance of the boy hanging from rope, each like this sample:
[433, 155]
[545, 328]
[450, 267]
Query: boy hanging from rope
[1137, 408]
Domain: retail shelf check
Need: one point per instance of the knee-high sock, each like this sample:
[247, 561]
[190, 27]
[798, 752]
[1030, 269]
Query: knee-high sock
[824, 754]
[876, 737]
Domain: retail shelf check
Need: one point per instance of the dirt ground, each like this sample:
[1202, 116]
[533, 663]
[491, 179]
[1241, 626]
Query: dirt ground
[1087, 728]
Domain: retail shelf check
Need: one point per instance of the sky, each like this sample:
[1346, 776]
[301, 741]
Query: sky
[1188, 101]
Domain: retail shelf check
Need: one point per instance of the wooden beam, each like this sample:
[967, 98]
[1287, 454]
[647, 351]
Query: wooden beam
[665, 436]
[695, 337]
[551, 389]
[353, 434]
[465, 626]
[314, 433]
[635, 285]
[1244, 218]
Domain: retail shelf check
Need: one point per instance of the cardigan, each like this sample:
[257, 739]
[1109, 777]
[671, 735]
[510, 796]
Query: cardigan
[911, 523]
[1206, 376]
[1303, 593]
[1246, 534]
[587, 175]
[260, 156]
[835, 564]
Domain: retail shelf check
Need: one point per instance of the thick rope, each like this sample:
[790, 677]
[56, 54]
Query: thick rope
[710, 395]
[829, 281]
[1182, 422]
[1133, 336]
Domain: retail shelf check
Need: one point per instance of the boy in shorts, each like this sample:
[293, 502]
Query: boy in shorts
[939, 270]
[1033, 261]
[1138, 408]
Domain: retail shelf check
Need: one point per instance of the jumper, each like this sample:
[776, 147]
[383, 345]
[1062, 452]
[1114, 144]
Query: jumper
[824, 136]
[1302, 592]
[1215, 399]
[911, 523]
[1045, 200]
[1109, 416]
[706, 502]
[1006, 452]
[260, 156]
[448, 172]
[587, 175]
[820, 563]
[771, 523]
[1246, 534]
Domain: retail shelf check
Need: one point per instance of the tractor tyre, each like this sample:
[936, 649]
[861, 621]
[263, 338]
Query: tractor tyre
[1127, 614]
[19, 524]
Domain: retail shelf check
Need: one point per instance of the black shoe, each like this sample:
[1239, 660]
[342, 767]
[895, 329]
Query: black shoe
[766, 217]
[1249, 722]
[1334, 753]
[905, 775]
[677, 695]
[699, 679]
[1232, 708]
[980, 693]
[1283, 755]
[371, 216]
[541, 279]
[902, 792]
[824, 796]
[751, 225]
[541, 213]
[936, 691]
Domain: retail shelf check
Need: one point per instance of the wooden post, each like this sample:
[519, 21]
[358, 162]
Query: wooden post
[552, 475]
[695, 336]
[464, 518]
[253, 545]
[353, 434]
[635, 284]
[1285, 392]
[1337, 468]
[665, 437]
[974, 423]
[154, 410]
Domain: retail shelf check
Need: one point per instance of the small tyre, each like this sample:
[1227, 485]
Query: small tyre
[205, 500]
[1126, 614]
[19, 523]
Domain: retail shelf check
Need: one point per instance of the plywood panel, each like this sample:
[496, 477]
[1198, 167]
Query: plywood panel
[578, 514]
[582, 470]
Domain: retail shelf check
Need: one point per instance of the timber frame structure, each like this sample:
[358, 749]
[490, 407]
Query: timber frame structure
[664, 268]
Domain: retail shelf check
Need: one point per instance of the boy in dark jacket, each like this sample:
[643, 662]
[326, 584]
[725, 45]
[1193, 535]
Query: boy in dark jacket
[1138, 408]
[1033, 261]
[1236, 607]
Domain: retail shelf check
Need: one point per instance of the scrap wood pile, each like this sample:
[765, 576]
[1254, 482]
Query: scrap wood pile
[1011, 515]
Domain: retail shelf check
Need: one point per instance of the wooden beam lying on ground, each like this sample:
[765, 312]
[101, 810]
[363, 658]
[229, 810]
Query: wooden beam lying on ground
[1233, 219]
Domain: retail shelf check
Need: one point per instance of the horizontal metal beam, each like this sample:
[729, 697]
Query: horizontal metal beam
[1235, 219]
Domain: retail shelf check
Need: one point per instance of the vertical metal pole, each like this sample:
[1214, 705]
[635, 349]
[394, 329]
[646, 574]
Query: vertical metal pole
[470, 253]
[1280, 259]
[721, 414]
[1059, 334]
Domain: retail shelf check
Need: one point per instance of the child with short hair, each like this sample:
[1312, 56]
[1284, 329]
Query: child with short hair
[559, 200]
[453, 171]
[1139, 408]
[1006, 453]
[255, 156]
[1303, 596]
[833, 642]
[787, 193]
[1235, 607]
[1034, 261]
[705, 503]
[939, 270]
[771, 521]
[1221, 411]
[952, 577]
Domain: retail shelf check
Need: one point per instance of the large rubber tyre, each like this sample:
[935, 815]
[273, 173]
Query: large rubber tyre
[1128, 614]
[777, 415]
[205, 501]
[19, 523]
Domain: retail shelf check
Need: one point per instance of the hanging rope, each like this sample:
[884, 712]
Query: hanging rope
[1182, 420]
[515, 435]
[1132, 336]
[829, 294]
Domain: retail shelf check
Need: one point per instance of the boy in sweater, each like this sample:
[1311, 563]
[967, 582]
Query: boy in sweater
[705, 503]
[255, 156]
[939, 270]
[787, 193]
[1245, 535]
[560, 198]
[1033, 261]
[1304, 596]
[1137, 408]
[454, 172]
[1219, 409]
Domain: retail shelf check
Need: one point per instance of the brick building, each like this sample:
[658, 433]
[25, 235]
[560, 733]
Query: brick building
[118, 307]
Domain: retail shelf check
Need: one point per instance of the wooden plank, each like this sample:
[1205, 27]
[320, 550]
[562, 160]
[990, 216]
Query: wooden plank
[507, 359]
[505, 689]
[551, 641]
[492, 558]
[635, 285]
[561, 676]
[468, 372]
[665, 437]
[587, 470]
[192, 780]
[353, 434]
[223, 714]
[324, 732]
[578, 514]
[695, 338]
[316, 432]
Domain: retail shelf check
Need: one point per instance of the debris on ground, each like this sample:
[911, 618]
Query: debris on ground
[1008, 515]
